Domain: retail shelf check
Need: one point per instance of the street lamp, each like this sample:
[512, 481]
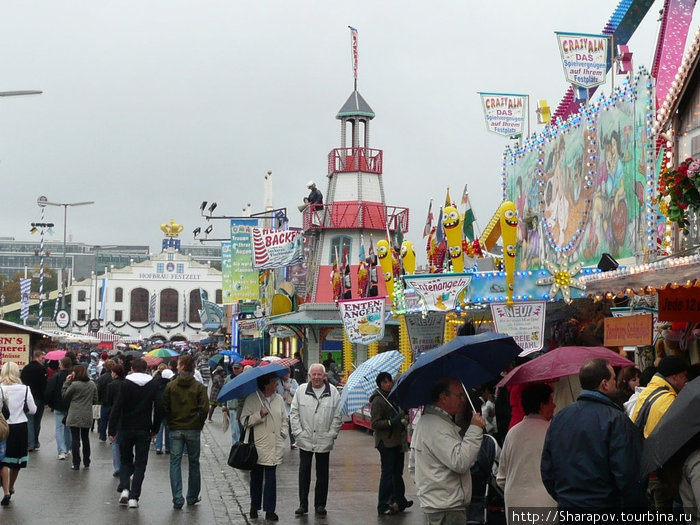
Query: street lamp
[42, 200]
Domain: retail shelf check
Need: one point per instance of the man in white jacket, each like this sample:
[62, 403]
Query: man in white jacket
[441, 459]
[316, 422]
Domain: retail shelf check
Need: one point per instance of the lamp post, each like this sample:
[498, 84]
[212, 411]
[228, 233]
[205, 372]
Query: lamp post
[65, 217]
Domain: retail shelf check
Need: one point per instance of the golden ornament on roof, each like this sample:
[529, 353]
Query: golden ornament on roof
[171, 229]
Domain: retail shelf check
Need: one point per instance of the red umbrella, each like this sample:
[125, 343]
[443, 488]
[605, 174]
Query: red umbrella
[284, 361]
[55, 355]
[560, 362]
[152, 360]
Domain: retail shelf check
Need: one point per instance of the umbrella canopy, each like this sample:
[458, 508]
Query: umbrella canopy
[162, 352]
[284, 361]
[362, 381]
[235, 356]
[55, 355]
[152, 360]
[677, 426]
[471, 359]
[247, 382]
[246, 362]
[560, 362]
[133, 353]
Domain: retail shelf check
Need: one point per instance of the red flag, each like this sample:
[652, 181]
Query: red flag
[429, 221]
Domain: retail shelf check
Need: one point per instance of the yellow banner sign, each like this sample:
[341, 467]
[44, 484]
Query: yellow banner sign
[14, 347]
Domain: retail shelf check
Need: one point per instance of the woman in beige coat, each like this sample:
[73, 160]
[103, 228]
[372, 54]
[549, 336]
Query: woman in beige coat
[264, 413]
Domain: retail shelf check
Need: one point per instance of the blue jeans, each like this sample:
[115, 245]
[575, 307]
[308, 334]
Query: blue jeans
[116, 462]
[391, 485]
[178, 440]
[63, 438]
[133, 454]
[34, 424]
[105, 410]
[235, 426]
[267, 496]
[163, 437]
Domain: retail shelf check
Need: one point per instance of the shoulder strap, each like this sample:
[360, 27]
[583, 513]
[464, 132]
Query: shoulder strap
[645, 409]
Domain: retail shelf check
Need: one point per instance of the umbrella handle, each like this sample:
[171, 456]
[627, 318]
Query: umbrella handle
[469, 398]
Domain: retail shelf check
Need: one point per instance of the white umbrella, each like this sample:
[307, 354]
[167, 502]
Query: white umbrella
[362, 382]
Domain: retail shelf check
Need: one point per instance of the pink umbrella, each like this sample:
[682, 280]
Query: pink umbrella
[560, 362]
[55, 355]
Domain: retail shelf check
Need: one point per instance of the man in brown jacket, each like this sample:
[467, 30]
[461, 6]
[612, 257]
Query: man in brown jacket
[390, 438]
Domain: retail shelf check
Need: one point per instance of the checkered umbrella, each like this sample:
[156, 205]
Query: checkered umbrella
[362, 382]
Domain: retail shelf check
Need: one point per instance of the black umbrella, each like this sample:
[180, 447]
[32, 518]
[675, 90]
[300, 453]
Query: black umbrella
[134, 353]
[677, 426]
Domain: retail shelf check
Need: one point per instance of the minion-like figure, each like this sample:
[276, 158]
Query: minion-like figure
[451, 222]
[408, 256]
[509, 232]
[387, 263]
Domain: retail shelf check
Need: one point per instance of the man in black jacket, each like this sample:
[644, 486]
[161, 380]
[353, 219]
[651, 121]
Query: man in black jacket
[592, 450]
[34, 376]
[134, 420]
[60, 407]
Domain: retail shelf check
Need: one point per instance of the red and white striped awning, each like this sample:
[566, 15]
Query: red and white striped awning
[107, 336]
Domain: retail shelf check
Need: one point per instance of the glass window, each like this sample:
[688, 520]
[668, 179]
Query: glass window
[160, 268]
[117, 316]
[180, 268]
[195, 306]
[81, 315]
[81, 295]
[219, 298]
[171, 256]
[139, 305]
[168, 306]
[338, 243]
[118, 295]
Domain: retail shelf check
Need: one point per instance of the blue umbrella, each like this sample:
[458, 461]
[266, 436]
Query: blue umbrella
[215, 360]
[471, 359]
[362, 382]
[247, 382]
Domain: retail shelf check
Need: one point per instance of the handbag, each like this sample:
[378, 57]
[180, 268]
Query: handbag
[26, 407]
[5, 406]
[4, 427]
[3, 449]
[244, 456]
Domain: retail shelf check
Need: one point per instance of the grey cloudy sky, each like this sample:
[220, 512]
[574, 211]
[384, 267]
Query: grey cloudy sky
[151, 107]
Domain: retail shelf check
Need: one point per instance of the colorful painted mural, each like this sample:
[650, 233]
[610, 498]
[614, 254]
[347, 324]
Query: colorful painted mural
[579, 186]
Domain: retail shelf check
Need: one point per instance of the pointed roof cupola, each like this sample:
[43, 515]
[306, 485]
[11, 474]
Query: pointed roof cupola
[355, 106]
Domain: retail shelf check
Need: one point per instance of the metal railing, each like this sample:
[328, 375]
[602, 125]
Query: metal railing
[355, 215]
[343, 160]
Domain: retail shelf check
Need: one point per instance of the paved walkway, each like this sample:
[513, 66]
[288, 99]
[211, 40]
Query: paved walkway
[48, 491]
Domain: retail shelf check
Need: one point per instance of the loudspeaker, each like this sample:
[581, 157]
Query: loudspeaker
[607, 263]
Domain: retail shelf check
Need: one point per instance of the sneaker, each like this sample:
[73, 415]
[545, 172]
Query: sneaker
[61, 456]
[301, 511]
[124, 497]
[133, 504]
[321, 510]
[75, 467]
[159, 451]
[191, 503]
[271, 516]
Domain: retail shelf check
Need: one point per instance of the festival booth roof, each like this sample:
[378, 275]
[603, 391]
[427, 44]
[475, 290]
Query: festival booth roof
[54, 335]
[672, 270]
[324, 314]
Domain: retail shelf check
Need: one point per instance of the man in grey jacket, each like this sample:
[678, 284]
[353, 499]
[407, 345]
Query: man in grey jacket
[441, 459]
[316, 422]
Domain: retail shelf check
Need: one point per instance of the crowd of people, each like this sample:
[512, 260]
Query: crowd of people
[587, 456]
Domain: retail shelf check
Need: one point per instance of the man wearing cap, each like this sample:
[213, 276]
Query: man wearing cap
[652, 404]
[315, 197]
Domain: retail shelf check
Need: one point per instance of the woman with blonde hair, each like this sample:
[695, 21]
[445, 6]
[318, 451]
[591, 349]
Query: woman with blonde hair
[14, 395]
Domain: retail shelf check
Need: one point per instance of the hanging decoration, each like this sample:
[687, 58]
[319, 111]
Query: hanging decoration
[562, 278]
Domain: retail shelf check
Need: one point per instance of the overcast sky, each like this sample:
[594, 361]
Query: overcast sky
[150, 107]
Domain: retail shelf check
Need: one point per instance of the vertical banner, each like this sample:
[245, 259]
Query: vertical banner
[584, 58]
[276, 248]
[439, 291]
[504, 113]
[25, 286]
[363, 319]
[425, 332]
[152, 310]
[243, 284]
[353, 46]
[524, 322]
[103, 299]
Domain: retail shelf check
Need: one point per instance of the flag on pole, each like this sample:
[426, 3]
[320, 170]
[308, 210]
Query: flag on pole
[345, 271]
[439, 233]
[25, 286]
[152, 310]
[399, 234]
[184, 311]
[103, 299]
[353, 46]
[428, 221]
[469, 219]
[465, 195]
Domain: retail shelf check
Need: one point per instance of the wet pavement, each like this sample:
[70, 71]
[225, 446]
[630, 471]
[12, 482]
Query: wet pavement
[48, 491]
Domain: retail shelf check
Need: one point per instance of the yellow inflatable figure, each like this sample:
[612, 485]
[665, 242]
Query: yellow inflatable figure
[451, 222]
[386, 261]
[408, 256]
[509, 230]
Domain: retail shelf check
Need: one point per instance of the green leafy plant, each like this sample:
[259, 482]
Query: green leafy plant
[680, 188]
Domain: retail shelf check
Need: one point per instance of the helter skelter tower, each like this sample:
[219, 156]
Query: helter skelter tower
[354, 208]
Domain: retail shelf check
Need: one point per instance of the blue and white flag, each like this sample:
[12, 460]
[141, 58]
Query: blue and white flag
[103, 299]
[152, 310]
